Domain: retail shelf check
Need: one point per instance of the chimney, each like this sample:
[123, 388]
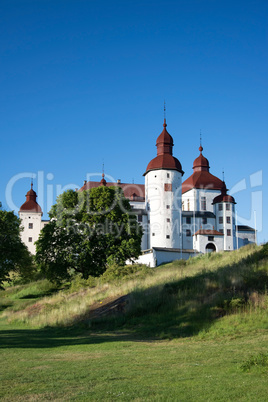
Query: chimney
[118, 181]
[85, 182]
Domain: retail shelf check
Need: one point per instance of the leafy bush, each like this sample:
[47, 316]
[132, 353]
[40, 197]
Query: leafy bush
[259, 360]
[79, 283]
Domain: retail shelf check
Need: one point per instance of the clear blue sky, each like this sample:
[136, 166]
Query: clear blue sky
[83, 82]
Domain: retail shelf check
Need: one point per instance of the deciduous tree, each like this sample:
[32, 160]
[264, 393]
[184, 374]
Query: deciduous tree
[88, 231]
[14, 255]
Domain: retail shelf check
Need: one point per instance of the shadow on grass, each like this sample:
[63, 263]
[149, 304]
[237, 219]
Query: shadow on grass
[184, 307]
[4, 306]
[52, 338]
[180, 308]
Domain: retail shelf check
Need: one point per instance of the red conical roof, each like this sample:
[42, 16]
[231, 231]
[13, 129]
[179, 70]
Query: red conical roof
[224, 197]
[30, 205]
[164, 158]
[103, 181]
[201, 178]
[201, 163]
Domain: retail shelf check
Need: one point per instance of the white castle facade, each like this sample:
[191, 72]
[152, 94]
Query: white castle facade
[179, 218]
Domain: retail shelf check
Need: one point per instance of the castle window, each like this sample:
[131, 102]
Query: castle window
[221, 220]
[183, 205]
[30, 239]
[188, 204]
[220, 207]
[139, 218]
[204, 221]
[228, 219]
[168, 219]
[168, 206]
[168, 175]
[188, 232]
[228, 232]
[203, 204]
[227, 207]
[188, 220]
[30, 225]
[168, 187]
[168, 236]
[153, 234]
[221, 230]
[210, 238]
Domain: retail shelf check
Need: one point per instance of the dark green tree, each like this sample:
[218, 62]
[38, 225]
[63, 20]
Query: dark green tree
[14, 255]
[88, 231]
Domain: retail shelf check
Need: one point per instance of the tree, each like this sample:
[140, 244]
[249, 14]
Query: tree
[14, 255]
[88, 231]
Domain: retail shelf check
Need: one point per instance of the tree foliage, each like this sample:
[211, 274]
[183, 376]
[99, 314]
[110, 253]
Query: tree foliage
[14, 255]
[88, 231]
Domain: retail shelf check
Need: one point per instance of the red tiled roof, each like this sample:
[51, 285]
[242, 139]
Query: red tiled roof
[164, 138]
[135, 192]
[30, 204]
[201, 162]
[202, 179]
[164, 158]
[164, 161]
[224, 197]
[208, 232]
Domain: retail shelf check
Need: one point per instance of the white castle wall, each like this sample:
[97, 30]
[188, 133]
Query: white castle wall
[32, 225]
[163, 203]
[192, 199]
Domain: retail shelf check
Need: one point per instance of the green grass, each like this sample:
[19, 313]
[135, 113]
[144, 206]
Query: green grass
[190, 331]
[56, 365]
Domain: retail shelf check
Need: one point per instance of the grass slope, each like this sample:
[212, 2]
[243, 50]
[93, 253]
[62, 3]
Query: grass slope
[194, 330]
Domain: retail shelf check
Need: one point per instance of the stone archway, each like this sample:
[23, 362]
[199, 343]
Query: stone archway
[210, 248]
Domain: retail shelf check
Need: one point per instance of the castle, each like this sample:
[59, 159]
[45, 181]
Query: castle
[179, 218]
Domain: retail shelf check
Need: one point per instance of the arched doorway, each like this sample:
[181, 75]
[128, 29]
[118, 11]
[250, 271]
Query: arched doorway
[210, 248]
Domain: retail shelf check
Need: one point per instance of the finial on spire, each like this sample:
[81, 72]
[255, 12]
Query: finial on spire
[223, 175]
[103, 181]
[200, 148]
[31, 183]
[165, 123]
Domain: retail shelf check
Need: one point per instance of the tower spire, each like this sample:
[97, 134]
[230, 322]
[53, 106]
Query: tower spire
[103, 181]
[200, 147]
[165, 122]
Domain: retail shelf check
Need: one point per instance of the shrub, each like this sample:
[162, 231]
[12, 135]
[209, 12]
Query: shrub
[259, 360]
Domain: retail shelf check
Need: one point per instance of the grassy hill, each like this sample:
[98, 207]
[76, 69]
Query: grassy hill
[188, 330]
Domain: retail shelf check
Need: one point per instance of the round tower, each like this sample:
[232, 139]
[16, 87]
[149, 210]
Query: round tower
[30, 214]
[163, 195]
[224, 205]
